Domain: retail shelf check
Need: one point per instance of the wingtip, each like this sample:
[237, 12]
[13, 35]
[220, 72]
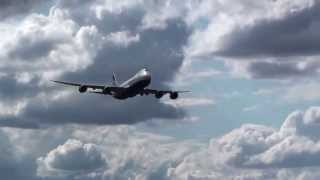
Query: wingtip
[184, 91]
[58, 82]
[53, 81]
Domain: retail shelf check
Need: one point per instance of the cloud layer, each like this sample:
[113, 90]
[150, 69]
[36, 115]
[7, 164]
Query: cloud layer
[122, 152]
[85, 41]
[12, 8]
[267, 39]
[68, 44]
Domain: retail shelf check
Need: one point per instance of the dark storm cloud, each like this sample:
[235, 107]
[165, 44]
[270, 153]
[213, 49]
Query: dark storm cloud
[294, 35]
[15, 7]
[281, 70]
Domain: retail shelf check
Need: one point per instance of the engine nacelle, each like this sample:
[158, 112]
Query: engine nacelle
[106, 90]
[174, 95]
[83, 89]
[158, 95]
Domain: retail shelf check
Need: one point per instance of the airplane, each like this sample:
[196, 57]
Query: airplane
[136, 85]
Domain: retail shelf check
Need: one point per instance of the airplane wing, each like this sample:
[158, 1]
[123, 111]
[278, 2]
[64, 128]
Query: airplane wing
[76, 84]
[96, 92]
[104, 89]
[160, 93]
[153, 91]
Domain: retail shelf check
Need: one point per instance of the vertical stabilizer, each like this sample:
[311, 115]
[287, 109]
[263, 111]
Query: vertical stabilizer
[114, 79]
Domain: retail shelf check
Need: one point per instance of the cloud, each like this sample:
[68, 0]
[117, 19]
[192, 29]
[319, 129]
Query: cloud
[270, 39]
[290, 35]
[189, 102]
[128, 153]
[92, 41]
[259, 152]
[12, 165]
[294, 145]
[43, 49]
[290, 40]
[74, 156]
[84, 41]
[123, 38]
[91, 109]
[123, 152]
[7, 157]
[281, 70]
[11, 8]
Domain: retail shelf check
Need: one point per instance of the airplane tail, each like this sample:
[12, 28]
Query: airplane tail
[114, 80]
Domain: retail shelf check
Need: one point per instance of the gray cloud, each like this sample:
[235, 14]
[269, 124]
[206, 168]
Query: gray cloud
[159, 50]
[12, 166]
[160, 59]
[12, 90]
[88, 51]
[30, 48]
[248, 152]
[7, 157]
[16, 7]
[289, 40]
[93, 109]
[280, 70]
[254, 33]
[293, 35]
[303, 123]
[129, 154]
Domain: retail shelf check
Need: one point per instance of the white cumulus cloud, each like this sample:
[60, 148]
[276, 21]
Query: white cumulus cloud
[73, 156]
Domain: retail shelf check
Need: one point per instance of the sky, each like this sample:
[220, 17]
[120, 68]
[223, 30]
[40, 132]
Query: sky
[251, 66]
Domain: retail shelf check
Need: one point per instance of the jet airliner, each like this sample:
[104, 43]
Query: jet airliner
[136, 85]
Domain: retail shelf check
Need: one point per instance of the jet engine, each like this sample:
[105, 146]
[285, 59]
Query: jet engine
[174, 95]
[159, 95]
[106, 90]
[83, 89]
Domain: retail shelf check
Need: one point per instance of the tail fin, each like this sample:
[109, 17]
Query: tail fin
[114, 80]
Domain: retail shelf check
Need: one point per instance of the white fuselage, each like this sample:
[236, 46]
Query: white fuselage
[134, 85]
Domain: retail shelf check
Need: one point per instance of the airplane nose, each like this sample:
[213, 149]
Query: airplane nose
[146, 73]
[145, 70]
